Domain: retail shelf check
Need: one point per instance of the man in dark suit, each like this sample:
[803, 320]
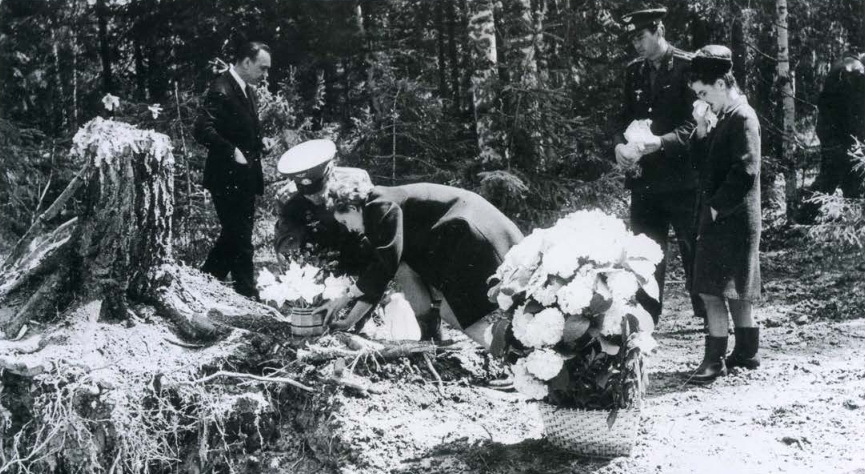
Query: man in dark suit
[228, 126]
[663, 183]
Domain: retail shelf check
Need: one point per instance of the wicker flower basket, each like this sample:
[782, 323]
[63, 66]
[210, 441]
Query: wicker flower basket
[591, 432]
[304, 323]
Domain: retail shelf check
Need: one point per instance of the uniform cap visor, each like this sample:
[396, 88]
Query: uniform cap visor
[306, 156]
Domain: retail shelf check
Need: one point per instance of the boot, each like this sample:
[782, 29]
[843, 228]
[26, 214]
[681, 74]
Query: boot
[745, 351]
[431, 325]
[713, 365]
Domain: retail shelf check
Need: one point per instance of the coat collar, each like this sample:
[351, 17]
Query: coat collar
[733, 105]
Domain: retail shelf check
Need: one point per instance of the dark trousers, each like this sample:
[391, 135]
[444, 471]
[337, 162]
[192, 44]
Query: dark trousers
[653, 214]
[233, 250]
[836, 169]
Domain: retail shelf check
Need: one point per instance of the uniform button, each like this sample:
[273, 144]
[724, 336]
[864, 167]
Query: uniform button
[650, 109]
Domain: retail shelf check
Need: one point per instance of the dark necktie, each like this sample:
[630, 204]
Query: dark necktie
[250, 98]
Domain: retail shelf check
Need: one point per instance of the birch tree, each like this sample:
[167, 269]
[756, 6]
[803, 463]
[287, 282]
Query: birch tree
[482, 38]
[786, 87]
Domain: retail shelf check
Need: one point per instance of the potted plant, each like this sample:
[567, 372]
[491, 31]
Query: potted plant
[298, 290]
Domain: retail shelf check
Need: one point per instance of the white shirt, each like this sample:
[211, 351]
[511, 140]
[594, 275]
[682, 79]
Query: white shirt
[240, 81]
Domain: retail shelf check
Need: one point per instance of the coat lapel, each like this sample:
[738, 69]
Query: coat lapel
[248, 101]
[722, 126]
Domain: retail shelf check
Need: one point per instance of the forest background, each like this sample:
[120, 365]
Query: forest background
[513, 99]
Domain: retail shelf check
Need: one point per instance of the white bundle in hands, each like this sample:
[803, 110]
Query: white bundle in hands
[398, 322]
[639, 132]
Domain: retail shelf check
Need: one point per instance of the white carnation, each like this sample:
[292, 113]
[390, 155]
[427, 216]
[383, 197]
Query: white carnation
[642, 247]
[544, 363]
[520, 322]
[611, 320]
[526, 383]
[527, 253]
[546, 295]
[542, 329]
[574, 297]
[504, 301]
[597, 235]
[643, 269]
[623, 285]
[600, 247]
[562, 259]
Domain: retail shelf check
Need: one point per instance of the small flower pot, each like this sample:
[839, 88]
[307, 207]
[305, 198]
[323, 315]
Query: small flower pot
[304, 323]
[597, 433]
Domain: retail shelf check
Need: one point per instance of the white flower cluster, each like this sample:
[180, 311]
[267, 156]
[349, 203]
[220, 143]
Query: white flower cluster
[528, 384]
[301, 284]
[579, 276]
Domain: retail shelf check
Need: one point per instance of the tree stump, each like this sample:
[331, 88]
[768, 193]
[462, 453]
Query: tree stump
[119, 249]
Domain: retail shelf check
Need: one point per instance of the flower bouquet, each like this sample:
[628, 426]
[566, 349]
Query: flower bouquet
[300, 289]
[570, 293]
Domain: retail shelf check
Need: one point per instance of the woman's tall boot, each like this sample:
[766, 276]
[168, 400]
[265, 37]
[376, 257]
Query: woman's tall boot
[745, 350]
[713, 365]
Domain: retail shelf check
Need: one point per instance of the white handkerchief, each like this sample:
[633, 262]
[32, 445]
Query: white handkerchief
[702, 109]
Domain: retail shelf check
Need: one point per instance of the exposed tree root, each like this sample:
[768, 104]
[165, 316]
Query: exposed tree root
[257, 378]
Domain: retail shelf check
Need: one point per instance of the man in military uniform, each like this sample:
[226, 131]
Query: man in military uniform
[304, 219]
[840, 118]
[302, 216]
[659, 174]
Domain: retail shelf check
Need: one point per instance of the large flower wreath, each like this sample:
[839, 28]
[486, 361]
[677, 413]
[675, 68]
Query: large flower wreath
[570, 293]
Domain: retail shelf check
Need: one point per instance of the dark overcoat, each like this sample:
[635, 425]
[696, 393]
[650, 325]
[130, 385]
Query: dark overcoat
[727, 252]
[228, 119]
[453, 238]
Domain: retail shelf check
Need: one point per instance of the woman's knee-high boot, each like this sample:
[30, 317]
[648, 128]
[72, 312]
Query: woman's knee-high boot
[713, 365]
[745, 350]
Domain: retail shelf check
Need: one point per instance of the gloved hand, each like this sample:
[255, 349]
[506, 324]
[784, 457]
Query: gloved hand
[627, 155]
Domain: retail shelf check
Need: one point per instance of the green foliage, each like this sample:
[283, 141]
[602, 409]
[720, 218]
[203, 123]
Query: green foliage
[36, 169]
[390, 81]
[841, 221]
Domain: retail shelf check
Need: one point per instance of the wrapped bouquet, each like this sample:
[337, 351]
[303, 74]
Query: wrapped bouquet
[570, 292]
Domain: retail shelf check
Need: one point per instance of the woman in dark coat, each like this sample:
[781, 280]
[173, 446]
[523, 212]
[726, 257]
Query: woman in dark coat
[727, 266]
[452, 238]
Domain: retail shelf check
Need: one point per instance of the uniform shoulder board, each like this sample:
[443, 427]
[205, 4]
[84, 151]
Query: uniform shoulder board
[682, 54]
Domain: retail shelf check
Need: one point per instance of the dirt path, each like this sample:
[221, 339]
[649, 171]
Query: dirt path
[802, 412]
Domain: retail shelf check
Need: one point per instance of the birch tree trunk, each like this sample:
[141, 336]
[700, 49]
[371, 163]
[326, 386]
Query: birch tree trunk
[484, 80]
[524, 45]
[785, 85]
